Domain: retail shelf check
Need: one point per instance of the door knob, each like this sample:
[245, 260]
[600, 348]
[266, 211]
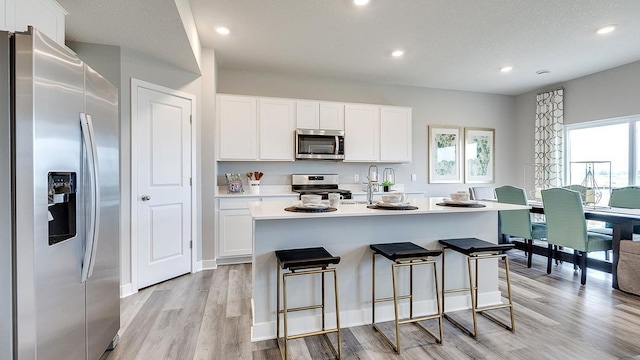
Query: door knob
[146, 197]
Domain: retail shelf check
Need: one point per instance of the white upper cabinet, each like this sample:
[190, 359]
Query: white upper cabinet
[253, 128]
[331, 116]
[45, 15]
[312, 114]
[308, 114]
[395, 134]
[277, 129]
[361, 132]
[238, 127]
[261, 128]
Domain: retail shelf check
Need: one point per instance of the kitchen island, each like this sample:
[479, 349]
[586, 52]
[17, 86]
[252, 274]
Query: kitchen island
[347, 233]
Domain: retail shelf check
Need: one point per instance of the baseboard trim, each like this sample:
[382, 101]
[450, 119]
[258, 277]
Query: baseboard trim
[234, 260]
[127, 290]
[208, 265]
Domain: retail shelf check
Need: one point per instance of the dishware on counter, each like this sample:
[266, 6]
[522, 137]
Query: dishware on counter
[460, 196]
[314, 206]
[458, 202]
[334, 199]
[394, 198]
[311, 198]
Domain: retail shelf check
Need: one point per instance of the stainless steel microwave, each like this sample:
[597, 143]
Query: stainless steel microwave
[319, 144]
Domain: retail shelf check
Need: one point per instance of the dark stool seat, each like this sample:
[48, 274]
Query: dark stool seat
[403, 250]
[476, 250]
[306, 258]
[305, 262]
[405, 254]
[470, 246]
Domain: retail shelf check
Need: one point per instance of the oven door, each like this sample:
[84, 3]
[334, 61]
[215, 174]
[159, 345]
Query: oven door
[319, 144]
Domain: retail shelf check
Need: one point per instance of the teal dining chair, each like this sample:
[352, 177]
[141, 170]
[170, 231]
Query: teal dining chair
[517, 223]
[626, 198]
[579, 188]
[567, 227]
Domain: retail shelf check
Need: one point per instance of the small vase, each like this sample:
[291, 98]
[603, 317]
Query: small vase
[385, 188]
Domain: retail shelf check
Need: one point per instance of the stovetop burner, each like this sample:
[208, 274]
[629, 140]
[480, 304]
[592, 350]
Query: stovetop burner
[319, 184]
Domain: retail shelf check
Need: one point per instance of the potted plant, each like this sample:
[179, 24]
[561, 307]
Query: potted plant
[385, 185]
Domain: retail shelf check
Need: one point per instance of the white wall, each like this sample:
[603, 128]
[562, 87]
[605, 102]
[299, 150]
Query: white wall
[430, 106]
[608, 94]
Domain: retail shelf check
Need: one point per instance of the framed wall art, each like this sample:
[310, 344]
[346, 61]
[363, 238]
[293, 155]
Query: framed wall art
[445, 154]
[479, 155]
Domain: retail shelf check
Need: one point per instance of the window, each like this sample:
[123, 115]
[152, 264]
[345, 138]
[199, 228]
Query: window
[605, 140]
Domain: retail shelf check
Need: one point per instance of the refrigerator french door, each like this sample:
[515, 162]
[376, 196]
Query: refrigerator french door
[63, 215]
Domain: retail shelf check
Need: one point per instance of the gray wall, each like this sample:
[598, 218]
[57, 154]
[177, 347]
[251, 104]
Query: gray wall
[608, 94]
[430, 106]
[120, 65]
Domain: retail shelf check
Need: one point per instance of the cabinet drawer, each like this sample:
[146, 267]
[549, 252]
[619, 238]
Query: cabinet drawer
[226, 204]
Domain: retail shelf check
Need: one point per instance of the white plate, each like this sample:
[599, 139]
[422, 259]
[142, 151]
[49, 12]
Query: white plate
[315, 206]
[459, 202]
[391, 205]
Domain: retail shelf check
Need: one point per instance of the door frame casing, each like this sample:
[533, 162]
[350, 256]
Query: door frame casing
[135, 85]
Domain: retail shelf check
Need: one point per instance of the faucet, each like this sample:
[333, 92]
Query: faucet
[370, 192]
[373, 179]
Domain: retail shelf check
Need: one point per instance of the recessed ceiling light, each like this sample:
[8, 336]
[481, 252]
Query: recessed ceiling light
[397, 53]
[361, 2]
[223, 30]
[506, 68]
[605, 29]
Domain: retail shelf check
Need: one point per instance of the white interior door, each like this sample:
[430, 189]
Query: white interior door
[163, 200]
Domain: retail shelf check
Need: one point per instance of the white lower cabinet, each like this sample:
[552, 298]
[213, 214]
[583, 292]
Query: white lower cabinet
[234, 233]
[235, 228]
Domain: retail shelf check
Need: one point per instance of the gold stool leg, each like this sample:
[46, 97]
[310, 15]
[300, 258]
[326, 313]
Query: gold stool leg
[435, 280]
[373, 288]
[395, 306]
[444, 249]
[473, 293]
[284, 303]
[335, 284]
[506, 268]
[323, 299]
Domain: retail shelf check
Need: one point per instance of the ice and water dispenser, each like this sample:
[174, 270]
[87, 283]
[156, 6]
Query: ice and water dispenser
[62, 206]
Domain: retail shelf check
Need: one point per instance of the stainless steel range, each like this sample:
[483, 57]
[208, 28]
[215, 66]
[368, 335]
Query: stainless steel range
[320, 184]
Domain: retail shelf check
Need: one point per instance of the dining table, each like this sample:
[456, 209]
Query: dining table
[622, 221]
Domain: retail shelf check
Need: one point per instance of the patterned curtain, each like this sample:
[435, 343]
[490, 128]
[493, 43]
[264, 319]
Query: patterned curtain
[548, 139]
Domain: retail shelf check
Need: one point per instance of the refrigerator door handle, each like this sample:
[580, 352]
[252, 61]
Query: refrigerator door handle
[88, 137]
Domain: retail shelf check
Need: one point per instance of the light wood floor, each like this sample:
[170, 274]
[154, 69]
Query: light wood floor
[207, 316]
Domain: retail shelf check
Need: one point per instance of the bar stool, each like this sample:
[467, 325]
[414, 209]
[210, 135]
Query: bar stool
[404, 254]
[476, 250]
[308, 261]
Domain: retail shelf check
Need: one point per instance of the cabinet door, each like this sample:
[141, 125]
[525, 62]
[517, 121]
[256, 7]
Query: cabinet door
[361, 132]
[308, 114]
[277, 126]
[235, 233]
[238, 135]
[331, 116]
[395, 134]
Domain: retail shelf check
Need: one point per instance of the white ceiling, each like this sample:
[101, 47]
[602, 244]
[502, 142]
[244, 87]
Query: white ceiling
[449, 44]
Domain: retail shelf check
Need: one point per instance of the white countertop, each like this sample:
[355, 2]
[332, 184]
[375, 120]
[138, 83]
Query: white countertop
[273, 210]
[285, 190]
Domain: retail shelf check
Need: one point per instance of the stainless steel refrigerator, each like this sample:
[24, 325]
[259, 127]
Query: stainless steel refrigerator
[59, 203]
